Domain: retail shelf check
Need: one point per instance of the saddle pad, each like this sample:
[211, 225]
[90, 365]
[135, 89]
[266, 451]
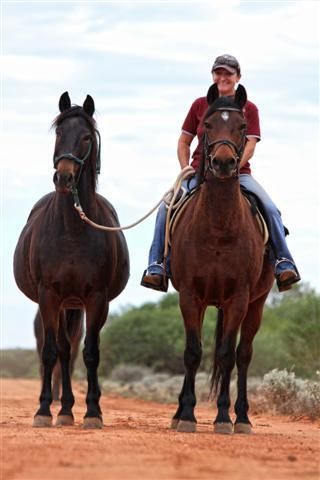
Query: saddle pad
[177, 213]
[261, 222]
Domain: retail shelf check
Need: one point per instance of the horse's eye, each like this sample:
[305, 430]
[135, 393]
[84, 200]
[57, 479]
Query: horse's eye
[243, 126]
[87, 138]
[207, 125]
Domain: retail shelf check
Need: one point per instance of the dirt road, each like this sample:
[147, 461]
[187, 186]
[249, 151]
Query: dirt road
[136, 443]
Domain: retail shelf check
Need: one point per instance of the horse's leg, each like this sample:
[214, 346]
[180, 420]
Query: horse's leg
[65, 416]
[75, 331]
[249, 328]
[226, 358]
[49, 308]
[176, 418]
[192, 312]
[96, 314]
[56, 382]
[38, 332]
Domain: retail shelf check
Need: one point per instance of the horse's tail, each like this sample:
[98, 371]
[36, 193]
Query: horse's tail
[216, 371]
[74, 327]
[73, 323]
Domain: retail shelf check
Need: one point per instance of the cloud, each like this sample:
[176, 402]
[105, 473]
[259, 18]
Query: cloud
[36, 68]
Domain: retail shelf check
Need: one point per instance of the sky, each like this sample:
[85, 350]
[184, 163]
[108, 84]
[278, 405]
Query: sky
[144, 63]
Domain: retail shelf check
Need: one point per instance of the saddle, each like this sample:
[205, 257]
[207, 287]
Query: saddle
[252, 200]
[257, 212]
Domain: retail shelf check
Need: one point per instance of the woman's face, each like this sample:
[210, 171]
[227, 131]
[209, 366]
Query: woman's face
[226, 81]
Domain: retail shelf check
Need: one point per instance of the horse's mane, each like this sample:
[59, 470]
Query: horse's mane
[218, 104]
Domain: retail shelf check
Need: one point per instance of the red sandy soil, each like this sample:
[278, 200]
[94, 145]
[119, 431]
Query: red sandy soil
[137, 443]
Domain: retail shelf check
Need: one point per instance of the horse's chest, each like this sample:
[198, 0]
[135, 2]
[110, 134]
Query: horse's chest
[217, 265]
[68, 258]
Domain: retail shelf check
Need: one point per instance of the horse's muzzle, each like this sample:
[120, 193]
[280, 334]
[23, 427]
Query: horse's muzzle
[224, 168]
[64, 181]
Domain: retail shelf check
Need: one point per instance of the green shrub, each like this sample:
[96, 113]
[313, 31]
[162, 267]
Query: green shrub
[289, 336]
[153, 336]
[19, 363]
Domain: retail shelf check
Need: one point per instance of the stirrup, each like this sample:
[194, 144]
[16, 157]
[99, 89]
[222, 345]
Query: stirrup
[282, 260]
[287, 282]
[160, 284]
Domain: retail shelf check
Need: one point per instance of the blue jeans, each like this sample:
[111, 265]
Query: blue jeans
[279, 248]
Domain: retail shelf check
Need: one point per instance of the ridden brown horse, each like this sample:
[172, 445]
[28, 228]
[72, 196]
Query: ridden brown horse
[218, 258]
[63, 264]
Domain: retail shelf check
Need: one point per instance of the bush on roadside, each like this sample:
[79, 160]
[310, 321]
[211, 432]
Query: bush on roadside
[152, 336]
[282, 392]
[19, 363]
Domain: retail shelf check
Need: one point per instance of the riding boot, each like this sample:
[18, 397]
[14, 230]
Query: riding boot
[156, 276]
[286, 272]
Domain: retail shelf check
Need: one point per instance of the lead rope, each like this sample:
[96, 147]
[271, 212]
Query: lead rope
[168, 198]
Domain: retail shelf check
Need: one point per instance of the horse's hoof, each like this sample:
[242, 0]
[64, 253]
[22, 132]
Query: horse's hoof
[174, 423]
[224, 428]
[42, 421]
[92, 423]
[185, 426]
[64, 421]
[242, 428]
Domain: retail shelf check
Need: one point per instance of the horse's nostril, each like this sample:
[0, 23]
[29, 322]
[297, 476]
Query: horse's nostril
[215, 163]
[63, 179]
[70, 178]
[232, 163]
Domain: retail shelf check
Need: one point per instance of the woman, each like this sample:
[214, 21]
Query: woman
[226, 74]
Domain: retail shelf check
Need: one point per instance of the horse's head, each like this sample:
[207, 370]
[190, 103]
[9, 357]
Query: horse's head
[76, 143]
[224, 132]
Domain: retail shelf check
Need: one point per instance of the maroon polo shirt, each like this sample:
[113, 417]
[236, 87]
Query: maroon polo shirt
[193, 126]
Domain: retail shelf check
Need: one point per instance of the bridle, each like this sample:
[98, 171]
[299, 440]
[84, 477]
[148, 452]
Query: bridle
[81, 162]
[237, 150]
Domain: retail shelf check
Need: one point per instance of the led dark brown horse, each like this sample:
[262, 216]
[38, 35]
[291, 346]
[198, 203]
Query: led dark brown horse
[219, 258]
[67, 266]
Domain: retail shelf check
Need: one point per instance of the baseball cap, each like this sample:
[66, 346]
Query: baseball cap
[228, 62]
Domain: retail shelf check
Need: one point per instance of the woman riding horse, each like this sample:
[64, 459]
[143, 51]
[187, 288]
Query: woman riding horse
[219, 258]
[226, 74]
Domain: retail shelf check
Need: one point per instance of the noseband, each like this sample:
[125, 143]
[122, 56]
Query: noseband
[236, 150]
[82, 160]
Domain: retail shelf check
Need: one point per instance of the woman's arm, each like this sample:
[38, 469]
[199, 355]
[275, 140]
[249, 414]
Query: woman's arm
[248, 150]
[184, 143]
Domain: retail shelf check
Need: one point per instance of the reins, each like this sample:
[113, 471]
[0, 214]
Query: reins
[169, 198]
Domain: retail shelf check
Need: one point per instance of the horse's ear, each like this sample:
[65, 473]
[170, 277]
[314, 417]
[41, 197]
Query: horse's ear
[213, 94]
[88, 105]
[240, 96]
[64, 102]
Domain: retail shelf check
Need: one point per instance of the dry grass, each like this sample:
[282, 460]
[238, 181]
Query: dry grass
[279, 392]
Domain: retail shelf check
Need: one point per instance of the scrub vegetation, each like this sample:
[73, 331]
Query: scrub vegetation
[142, 354]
